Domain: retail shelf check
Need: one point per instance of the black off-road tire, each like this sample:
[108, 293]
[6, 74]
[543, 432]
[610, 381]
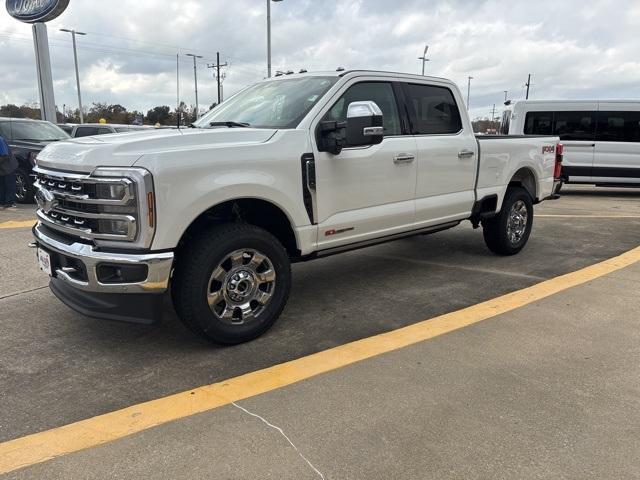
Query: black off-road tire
[195, 265]
[495, 229]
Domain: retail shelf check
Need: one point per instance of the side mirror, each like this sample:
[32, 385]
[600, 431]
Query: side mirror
[364, 124]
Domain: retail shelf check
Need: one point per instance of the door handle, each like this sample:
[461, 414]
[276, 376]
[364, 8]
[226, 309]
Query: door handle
[465, 154]
[403, 158]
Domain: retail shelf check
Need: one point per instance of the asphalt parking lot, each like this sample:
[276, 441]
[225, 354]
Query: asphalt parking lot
[549, 390]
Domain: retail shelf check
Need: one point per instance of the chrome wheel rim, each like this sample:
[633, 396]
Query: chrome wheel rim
[21, 188]
[241, 286]
[517, 222]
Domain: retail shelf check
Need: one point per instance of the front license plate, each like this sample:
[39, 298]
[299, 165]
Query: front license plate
[44, 260]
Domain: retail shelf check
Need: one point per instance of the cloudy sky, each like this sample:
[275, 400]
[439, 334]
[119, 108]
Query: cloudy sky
[573, 48]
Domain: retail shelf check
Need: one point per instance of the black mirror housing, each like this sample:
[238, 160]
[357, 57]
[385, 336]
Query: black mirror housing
[362, 131]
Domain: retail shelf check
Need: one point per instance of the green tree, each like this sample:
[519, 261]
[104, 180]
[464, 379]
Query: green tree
[161, 115]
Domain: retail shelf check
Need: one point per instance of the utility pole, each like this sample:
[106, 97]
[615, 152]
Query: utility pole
[218, 75]
[195, 78]
[178, 90]
[268, 39]
[505, 96]
[469, 91]
[493, 113]
[75, 58]
[424, 58]
[528, 86]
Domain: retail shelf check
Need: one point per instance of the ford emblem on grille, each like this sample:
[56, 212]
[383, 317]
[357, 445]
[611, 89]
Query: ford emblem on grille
[46, 200]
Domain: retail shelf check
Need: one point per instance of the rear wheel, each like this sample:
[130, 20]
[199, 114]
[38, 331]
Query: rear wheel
[508, 232]
[232, 283]
[25, 191]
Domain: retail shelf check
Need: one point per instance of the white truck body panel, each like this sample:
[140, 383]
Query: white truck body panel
[362, 189]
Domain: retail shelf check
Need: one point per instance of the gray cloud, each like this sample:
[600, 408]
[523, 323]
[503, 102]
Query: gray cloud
[574, 49]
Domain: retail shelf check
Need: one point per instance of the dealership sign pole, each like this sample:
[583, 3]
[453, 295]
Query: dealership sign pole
[37, 12]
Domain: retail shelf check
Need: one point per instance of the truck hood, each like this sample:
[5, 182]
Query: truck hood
[125, 149]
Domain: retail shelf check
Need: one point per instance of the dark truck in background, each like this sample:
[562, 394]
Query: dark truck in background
[27, 138]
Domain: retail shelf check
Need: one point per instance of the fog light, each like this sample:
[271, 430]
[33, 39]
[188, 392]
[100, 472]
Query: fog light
[108, 273]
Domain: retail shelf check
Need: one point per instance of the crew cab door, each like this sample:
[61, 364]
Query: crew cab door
[447, 154]
[365, 192]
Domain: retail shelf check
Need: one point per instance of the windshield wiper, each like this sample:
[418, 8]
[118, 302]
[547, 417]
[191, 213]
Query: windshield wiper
[229, 124]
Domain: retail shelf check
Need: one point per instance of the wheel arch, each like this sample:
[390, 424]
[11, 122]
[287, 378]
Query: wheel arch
[250, 210]
[526, 178]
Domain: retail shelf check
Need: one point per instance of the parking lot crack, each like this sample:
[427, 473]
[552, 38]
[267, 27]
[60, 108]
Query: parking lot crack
[275, 427]
[15, 294]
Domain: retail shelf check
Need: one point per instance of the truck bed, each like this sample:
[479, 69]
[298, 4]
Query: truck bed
[498, 154]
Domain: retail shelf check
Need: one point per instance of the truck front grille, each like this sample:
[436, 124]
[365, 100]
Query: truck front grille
[87, 207]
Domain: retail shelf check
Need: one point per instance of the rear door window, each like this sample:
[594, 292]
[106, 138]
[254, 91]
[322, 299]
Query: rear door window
[432, 109]
[86, 131]
[506, 122]
[618, 127]
[5, 131]
[538, 123]
[578, 125]
[574, 125]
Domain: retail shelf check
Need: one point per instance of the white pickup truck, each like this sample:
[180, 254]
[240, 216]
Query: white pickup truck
[290, 169]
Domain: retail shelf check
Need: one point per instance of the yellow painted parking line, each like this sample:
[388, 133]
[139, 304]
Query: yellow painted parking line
[49, 444]
[584, 216]
[17, 224]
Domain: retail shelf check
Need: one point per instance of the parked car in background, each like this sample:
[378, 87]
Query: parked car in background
[601, 137]
[67, 127]
[93, 129]
[290, 169]
[26, 138]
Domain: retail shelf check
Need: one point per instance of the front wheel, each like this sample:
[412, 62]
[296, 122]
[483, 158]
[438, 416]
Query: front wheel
[231, 283]
[508, 232]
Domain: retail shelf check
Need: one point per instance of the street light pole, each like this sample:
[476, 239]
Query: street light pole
[75, 58]
[424, 58]
[469, 91]
[269, 36]
[505, 95]
[195, 78]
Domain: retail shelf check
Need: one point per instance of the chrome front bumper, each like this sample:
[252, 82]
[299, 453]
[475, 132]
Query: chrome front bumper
[158, 266]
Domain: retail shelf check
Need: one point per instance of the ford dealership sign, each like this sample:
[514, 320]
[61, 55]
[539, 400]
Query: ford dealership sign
[32, 11]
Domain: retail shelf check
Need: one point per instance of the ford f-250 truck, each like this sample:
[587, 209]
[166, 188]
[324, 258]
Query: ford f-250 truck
[290, 169]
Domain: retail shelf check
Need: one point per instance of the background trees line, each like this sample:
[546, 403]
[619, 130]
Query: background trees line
[163, 115]
[116, 113]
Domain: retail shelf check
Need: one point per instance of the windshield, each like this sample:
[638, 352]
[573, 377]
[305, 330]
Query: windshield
[36, 131]
[274, 104]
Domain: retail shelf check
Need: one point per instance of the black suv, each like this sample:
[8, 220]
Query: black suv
[26, 138]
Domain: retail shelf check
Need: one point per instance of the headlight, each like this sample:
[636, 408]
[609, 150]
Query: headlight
[113, 227]
[112, 191]
[125, 192]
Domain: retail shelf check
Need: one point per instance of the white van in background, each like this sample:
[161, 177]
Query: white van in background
[601, 137]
